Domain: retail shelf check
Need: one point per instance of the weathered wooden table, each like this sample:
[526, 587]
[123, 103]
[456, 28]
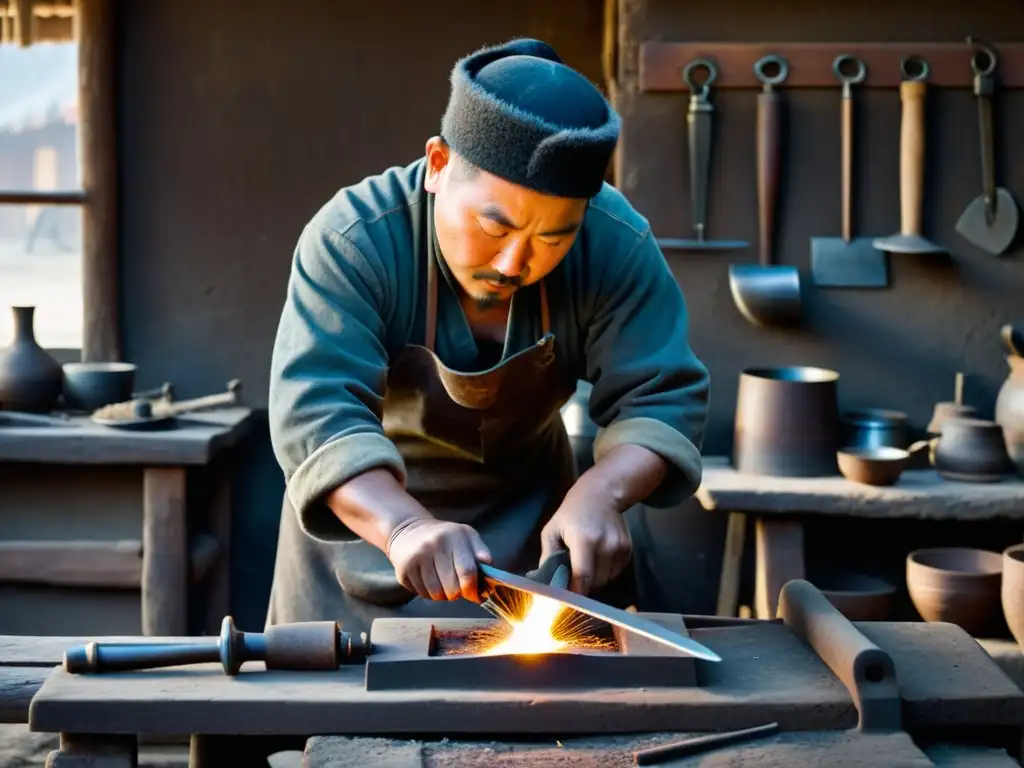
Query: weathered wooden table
[163, 561]
[945, 680]
[919, 494]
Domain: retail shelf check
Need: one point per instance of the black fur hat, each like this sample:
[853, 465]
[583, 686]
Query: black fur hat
[518, 112]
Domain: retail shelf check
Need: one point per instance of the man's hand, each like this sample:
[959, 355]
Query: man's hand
[437, 559]
[590, 523]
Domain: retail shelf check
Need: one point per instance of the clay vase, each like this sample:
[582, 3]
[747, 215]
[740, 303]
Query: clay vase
[958, 585]
[1010, 411]
[30, 379]
[1013, 591]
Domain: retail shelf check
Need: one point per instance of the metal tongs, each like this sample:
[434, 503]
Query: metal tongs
[551, 580]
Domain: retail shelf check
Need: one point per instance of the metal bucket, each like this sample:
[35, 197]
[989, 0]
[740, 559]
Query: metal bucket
[787, 422]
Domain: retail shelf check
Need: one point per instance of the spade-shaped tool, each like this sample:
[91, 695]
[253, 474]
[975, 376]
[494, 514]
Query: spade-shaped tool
[990, 220]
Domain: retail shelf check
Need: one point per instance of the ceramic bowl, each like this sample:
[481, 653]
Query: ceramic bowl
[1013, 591]
[857, 596]
[873, 466]
[959, 585]
[972, 450]
[90, 386]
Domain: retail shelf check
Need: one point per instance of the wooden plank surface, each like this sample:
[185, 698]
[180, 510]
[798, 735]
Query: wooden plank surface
[810, 64]
[768, 674]
[920, 494]
[86, 563]
[17, 687]
[199, 438]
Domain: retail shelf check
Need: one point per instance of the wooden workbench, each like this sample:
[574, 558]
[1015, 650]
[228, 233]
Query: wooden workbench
[768, 674]
[919, 494]
[164, 558]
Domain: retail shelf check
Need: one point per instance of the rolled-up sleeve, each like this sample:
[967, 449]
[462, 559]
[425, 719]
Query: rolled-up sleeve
[649, 388]
[328, 376]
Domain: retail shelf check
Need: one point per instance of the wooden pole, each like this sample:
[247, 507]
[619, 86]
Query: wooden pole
[97, 111]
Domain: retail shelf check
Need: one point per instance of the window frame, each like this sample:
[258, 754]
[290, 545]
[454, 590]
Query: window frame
[92, 27]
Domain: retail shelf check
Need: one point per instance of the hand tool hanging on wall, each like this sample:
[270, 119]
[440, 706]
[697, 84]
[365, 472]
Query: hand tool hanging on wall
[298, 646]
[767, 294]
[699, 120]
[845, 261]
[913, 90]
[492, 577]
[990, 221]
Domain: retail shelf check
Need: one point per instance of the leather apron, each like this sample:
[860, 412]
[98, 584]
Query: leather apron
[488, 449]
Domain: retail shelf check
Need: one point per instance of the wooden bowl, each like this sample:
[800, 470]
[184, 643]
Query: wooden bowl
[873, 466]
[857, 596]
[959, 585]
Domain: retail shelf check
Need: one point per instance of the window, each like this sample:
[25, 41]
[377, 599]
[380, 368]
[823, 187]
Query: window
[40, 183]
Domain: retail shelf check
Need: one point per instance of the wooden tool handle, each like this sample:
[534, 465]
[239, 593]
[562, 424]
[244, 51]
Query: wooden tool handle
[769, 114]
[208, 401]
[912, 144]
[847, 141]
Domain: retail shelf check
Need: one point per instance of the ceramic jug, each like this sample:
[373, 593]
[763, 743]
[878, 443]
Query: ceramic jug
[1010, 402]
[30, 380]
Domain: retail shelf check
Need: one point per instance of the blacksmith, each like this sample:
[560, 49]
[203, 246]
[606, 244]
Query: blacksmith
[437, 317]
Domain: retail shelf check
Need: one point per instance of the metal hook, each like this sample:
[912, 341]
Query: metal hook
[856, 77]
[763, 62]
[702, 89]
[908, 61]
[986, 51]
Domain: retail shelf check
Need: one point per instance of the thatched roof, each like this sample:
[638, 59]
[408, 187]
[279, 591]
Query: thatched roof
[49, 21]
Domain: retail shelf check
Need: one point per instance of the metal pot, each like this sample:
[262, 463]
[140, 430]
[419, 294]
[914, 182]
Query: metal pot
[787, 422]
[870, 428]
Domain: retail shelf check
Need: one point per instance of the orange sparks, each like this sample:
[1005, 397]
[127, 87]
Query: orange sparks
[535, 625]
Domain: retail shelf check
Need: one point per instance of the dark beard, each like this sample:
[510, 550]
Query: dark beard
[489, 301]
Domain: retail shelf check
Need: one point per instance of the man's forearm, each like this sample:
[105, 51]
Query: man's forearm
[373, 505]
[627, 473]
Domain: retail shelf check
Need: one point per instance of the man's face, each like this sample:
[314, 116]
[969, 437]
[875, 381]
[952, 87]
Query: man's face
[496, 236]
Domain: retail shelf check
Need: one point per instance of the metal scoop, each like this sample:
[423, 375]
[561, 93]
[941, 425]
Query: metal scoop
[846, 261]
[912, 154]
[767, 294]
[990, 220]
[699, 119]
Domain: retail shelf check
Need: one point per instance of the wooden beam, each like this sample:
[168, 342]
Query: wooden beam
[41, 197]
[810, 64]
[98, 151]
[92, 564]
[165, 568]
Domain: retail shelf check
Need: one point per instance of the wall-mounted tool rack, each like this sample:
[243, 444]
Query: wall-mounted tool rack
[810, 64]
